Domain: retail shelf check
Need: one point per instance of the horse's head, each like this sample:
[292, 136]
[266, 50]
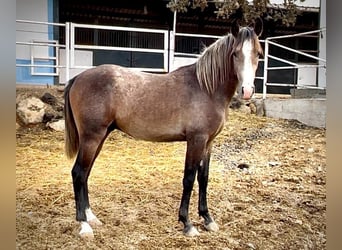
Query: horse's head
[245, 56]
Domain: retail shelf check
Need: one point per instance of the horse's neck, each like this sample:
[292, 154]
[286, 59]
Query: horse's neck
[225, 92]
[185, 74]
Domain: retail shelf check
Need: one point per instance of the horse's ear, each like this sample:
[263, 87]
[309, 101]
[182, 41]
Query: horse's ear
[235, 28]
[257, 25]
[234, 19]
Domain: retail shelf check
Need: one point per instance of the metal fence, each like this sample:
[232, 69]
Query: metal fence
[75, 47]
[41, 52]
[274, 41]
[75, 42]
[186, 48]
[124, 39]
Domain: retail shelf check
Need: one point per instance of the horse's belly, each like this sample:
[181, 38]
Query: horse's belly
[160, 134]
[158, 130]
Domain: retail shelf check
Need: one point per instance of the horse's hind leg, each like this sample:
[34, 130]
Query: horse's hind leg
[90, 146]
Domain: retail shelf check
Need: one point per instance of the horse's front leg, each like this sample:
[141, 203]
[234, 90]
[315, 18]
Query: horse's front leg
[196, 148]
[202, 178]
[188, 183]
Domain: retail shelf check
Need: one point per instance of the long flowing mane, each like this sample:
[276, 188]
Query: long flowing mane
[214, 67]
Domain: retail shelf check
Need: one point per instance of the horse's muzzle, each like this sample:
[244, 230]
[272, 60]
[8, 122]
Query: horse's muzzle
[247, 92]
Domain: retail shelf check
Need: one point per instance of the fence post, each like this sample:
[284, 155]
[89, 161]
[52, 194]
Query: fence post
[72, 45]
[172, 50]
[264, 88]
[166, 51]
[67, 52]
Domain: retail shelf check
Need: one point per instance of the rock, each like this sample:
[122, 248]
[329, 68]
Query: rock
[273, 163]
[19, 97]
[49, 99]
[48, 117]
[257, 107]
[251, 246]
[235, 103]
[31, 110]
[53, 102]
[311, 150]
[243, 166]
[52, 115]
[57, 126]
[253, 108]
[300, 222]
[245, 109]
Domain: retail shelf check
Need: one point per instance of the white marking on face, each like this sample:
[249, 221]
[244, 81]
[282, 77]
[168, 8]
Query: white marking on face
[248, 71]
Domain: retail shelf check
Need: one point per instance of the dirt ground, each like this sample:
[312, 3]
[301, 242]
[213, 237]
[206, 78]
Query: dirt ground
[278, 202]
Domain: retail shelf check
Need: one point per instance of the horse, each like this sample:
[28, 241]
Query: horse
[188, 104]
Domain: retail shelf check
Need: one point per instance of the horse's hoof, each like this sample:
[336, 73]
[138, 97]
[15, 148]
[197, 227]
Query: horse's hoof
[87, 236]
[95, 222]
[86, 231]
[191, 232]
[212, 227]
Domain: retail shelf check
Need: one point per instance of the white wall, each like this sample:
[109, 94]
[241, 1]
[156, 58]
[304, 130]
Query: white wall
[35, 10]
[306, 3]
[82, 58]
[310, 111]
[306, 76]
[32, 10]
[179, 61]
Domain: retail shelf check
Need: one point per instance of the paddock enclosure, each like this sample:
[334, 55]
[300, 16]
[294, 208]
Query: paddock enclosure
[278, 201]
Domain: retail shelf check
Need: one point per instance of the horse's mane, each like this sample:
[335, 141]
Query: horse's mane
[215, 66]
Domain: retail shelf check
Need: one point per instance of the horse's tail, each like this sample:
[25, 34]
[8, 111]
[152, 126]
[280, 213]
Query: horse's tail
[71, 133]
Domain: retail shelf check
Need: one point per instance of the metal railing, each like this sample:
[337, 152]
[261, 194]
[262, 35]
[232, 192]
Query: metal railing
[177, 49]
[139, 48]
[50, 59]
[292, 65]
[174, 52]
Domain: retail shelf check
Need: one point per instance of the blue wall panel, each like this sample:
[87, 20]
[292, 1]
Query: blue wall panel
[23, 74]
